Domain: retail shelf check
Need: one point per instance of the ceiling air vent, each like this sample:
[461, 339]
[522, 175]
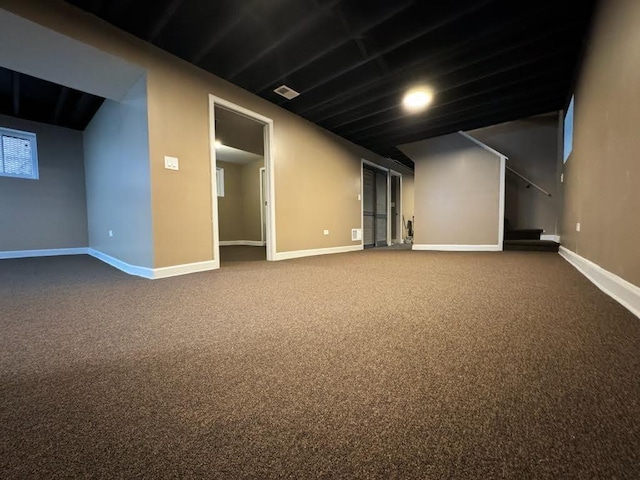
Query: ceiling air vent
[286, 92]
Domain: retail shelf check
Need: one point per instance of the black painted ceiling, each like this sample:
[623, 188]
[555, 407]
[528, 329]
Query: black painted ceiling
[34, 99]
[488, 61]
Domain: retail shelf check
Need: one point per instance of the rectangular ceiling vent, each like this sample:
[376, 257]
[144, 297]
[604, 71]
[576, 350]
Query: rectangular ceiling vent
[286, 92]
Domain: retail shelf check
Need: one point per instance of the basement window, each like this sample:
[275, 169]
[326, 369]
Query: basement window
[18, 154]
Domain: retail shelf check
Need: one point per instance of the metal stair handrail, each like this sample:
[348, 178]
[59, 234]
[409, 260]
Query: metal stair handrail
[528, 181]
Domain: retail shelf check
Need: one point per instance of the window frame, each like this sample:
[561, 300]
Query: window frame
[31, 137]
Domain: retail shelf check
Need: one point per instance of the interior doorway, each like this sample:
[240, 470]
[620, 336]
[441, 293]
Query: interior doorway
[381, 206]
[375, 208]
[242, 184]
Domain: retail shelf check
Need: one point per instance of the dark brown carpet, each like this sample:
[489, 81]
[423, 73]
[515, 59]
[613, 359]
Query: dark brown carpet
[377, 364]
[242, 253]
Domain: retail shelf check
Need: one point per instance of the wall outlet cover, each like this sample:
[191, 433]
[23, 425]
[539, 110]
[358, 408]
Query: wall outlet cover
[171, 163]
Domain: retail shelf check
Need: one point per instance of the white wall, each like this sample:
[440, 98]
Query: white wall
[48, 213]
[118, 182]
[458, 186]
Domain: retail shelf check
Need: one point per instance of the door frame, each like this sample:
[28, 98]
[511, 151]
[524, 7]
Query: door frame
[269, 172]
[398, 200]
[263, 181]
[364, 162]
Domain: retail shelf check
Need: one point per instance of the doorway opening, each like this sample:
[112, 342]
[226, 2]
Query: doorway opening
[381, 206]
[242, 184]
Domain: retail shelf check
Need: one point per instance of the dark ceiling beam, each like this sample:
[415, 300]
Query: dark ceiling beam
[162, 21]
[337, 44]
[362, 48]
[97, 7]
[468, 109]
[310, 19]
[496, 88]
[396, 92]
[422, 64]
[219, 34]
[390, 48]
[80, 108]
[15, 81]
[62, 98]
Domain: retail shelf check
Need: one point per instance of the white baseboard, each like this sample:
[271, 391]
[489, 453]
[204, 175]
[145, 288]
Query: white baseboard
[47, 252]
[553, 238]
[136, 270]
[316, 251]
[625, 293]
[175, 270]
[458, 248]
[154, 273]
[146, 272]
[248, 243]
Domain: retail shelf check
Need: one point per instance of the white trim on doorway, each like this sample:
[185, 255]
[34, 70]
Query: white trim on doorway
[503, 172]
[263, 173]
[269, 150]
[398, 200]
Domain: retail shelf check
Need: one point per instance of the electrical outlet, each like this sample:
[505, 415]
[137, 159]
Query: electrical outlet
[562, 178]
[111, 233]
[578, 227]
[325, 232]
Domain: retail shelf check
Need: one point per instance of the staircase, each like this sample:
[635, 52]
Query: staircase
[527, 239]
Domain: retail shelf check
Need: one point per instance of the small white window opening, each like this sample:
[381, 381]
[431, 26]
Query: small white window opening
[18, 154]
[220, 181]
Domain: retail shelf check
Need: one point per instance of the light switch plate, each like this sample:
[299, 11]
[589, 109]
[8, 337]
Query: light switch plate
[171, 163]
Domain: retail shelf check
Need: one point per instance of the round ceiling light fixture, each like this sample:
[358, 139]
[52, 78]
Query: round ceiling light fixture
[417, 99]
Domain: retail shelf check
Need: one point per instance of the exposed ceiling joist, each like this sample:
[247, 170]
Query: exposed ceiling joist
[16, 94]
[163, 20]
[289, 35]
[336, 44]
[228, 26]
[60, 102]
[404, 41]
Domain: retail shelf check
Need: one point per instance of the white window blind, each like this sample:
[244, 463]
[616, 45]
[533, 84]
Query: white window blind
[18, 154]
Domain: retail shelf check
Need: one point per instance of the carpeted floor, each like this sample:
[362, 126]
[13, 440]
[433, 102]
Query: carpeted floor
[241, 253]
[382, 364]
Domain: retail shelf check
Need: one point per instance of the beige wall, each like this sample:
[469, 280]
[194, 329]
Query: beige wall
[116, 152]
[230, 208]
[602, 175]
[239, 209]
[317, 175]
[457, 192]
[49, 212]
[532, 147]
